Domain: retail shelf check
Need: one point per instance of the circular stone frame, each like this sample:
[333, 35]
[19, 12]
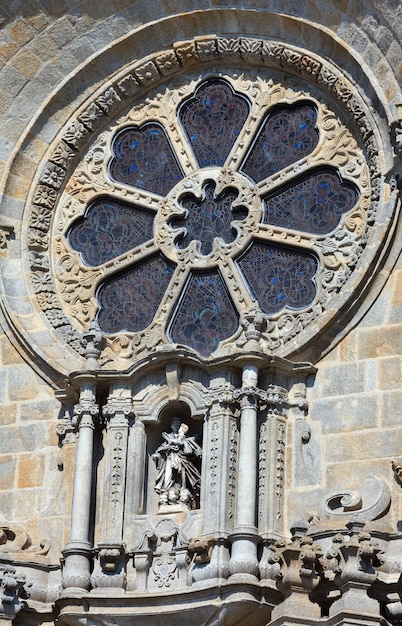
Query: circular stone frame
[36, 317]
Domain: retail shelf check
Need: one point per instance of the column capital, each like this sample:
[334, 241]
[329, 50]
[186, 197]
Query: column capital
[118, 413]
[273, 395]
[85, 415]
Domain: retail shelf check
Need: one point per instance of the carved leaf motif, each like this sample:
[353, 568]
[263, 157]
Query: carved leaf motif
[108, 99]
[167, 63]
[91, 116]
[62, 155]
[40, 218]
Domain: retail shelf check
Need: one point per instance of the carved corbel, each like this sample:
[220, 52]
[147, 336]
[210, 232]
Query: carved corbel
[355, 560]
[299, 564]
[65, 431]
[110, 556]
[350, 562]
[110, 570]
[202, 549]
[12, 590]
[161, 558]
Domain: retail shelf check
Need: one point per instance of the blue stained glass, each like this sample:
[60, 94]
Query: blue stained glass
[205, 315]
[129, 300]
[315, 204]
[109, 229]
[208, 217]
[287, 135]
[212, 120]
[143, 158]
[279, 277]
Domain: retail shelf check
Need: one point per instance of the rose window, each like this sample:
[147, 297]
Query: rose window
[205, 210]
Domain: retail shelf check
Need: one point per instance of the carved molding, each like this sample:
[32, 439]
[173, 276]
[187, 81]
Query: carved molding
[371, 503]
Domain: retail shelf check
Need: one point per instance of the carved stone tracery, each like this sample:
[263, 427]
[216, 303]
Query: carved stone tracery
[74, 295]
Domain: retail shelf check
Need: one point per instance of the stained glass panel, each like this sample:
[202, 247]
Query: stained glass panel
[130, 300]
[287, 135]
[109, 229]
[206, 314]
[279, 277]
[315, 204]
[143, 158]
[208, 217]
[212, 120]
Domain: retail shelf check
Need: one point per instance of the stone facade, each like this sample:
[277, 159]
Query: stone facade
[296, 517]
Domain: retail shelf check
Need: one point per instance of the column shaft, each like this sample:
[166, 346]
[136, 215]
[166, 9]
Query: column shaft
[243, 562]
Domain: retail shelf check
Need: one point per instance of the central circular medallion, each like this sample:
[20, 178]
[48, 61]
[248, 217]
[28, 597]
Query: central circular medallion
[208, 215]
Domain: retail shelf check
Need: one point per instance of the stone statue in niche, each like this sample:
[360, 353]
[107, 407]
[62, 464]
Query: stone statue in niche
[178, 479]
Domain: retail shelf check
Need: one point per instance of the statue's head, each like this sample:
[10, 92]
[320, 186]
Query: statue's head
[176, 422]
[183, 428]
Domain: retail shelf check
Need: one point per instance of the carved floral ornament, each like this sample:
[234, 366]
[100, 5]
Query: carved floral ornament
[136, 243]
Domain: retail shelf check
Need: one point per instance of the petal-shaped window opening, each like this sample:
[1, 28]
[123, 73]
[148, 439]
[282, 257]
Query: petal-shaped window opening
[315, 204]
[212, 120]
[287, 134]
[144, 158]
[279, 277]
[109, 229]
[208, 217]
[205, 314]
[129, 301]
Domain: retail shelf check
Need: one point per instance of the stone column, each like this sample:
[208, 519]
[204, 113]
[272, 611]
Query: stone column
[78, 551]
[243, 562]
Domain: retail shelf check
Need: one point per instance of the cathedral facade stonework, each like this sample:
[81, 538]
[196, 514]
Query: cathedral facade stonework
[201, 313]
